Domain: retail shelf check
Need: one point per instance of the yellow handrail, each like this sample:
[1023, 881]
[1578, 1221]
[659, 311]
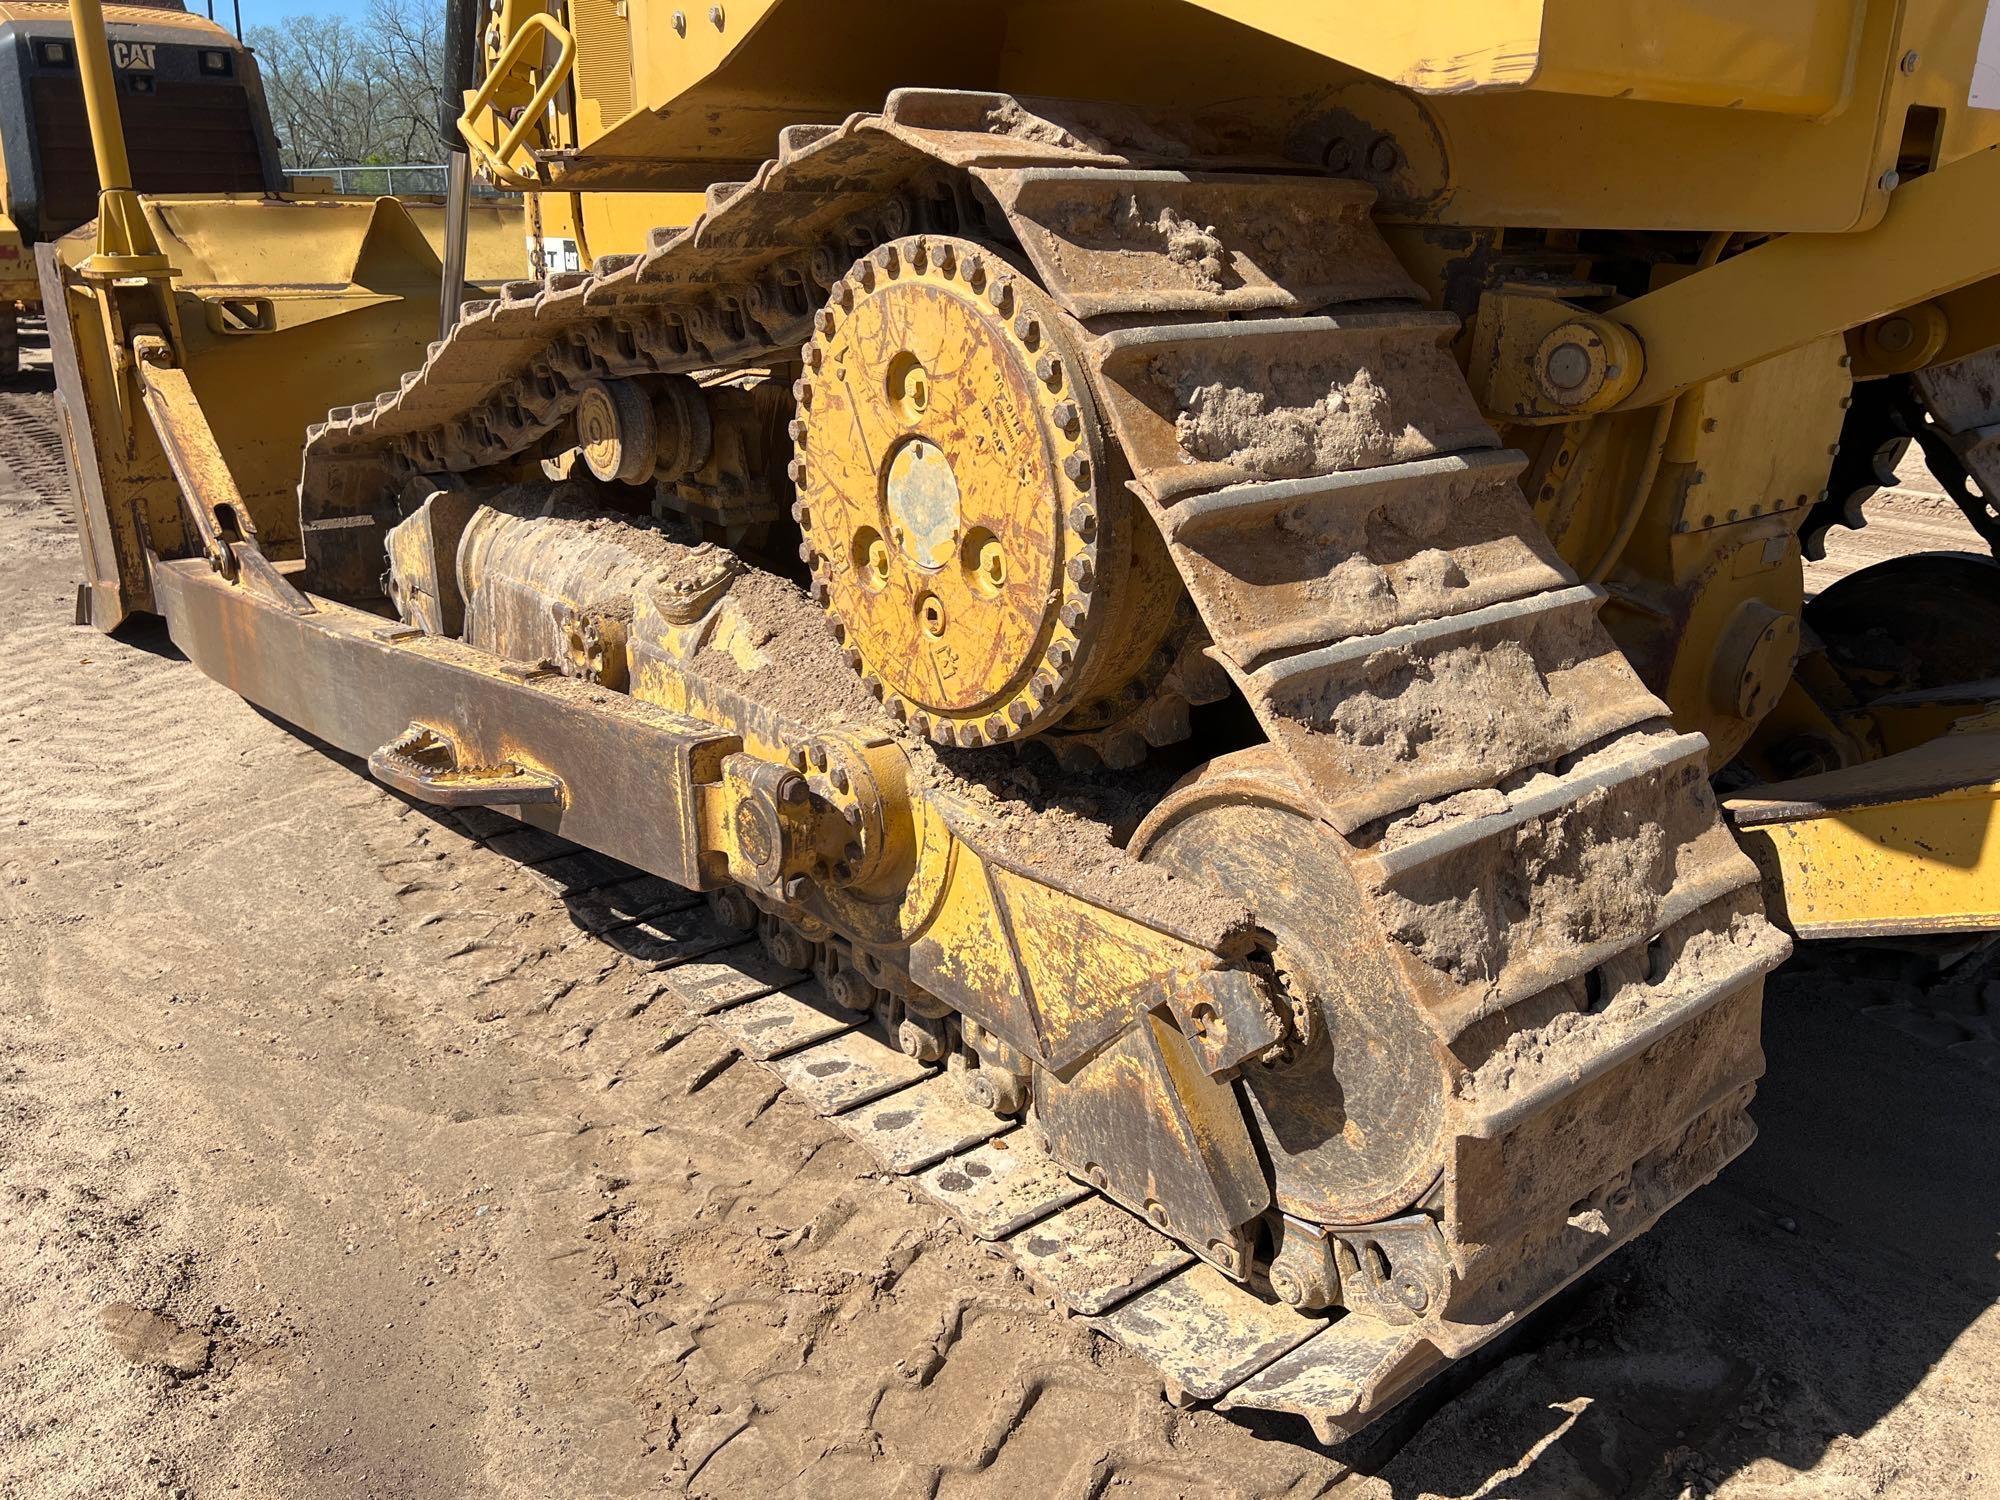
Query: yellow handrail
[499, 161]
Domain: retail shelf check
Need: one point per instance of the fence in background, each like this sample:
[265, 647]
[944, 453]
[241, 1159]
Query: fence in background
[402, 179]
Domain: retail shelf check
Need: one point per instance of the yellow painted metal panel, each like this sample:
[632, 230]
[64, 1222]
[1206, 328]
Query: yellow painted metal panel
[249, 241]
[610, 223]
[1908, 843]
[1431, 45]
[1786, 56]
[1789, 56]
[1806, 100]
[1942, 233]
[1926, 866]
[603, 64]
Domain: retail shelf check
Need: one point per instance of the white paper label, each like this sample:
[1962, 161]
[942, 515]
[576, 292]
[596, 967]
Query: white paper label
[1986, 64]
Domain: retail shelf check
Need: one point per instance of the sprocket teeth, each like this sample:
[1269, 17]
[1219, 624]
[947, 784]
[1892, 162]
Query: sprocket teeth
[1075, 636]
[1074, 756]
[1166, 722]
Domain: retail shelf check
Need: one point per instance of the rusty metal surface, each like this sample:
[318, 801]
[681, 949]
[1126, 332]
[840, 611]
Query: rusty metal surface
[610, 752]
[1158, 242]
[784, 1022]
[1210, 1339]
[847, 1071]
[423, 562]
[423, 764]
[1294, 371]
[542, 581]
[1334, 1379]
[1262, 553]
[214, 504]
[1549, 683]
[1371, 1146]
[1000, 1187]
[1094, 1255]
[1205, 1333]
[1152, 1132]
[921, 1126]
[743, 971]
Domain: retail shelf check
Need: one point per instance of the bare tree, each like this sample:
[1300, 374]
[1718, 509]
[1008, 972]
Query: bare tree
[410, 37]
[343, 94]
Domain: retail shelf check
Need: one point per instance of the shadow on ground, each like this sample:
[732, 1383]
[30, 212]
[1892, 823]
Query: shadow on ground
[1794, 1304]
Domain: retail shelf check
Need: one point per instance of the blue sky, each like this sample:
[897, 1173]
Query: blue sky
[274, 12]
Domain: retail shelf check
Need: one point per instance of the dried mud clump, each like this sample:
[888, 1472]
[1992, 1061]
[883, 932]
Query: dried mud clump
[1351, 427]
[1195, 248]
[1597, 869]
[1479, 705]
[1007, 117]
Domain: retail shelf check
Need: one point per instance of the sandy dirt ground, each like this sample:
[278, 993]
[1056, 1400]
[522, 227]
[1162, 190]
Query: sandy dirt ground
[340, 1156]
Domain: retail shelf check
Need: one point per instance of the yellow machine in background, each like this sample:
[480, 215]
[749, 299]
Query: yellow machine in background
[192, 101]
[1196, 566]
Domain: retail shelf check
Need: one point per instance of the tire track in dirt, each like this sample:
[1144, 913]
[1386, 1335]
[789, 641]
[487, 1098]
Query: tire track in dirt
[698, 1285]
[32, 447]
[825, 1321]
[93, 774]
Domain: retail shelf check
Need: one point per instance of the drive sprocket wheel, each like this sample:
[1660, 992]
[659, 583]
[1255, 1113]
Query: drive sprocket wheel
[965, 538]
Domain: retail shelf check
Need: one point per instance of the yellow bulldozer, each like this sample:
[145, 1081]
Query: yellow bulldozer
[195, 108]
[1210, 590]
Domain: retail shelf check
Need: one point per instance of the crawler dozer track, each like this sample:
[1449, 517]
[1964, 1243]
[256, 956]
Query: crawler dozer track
[1524, 956]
